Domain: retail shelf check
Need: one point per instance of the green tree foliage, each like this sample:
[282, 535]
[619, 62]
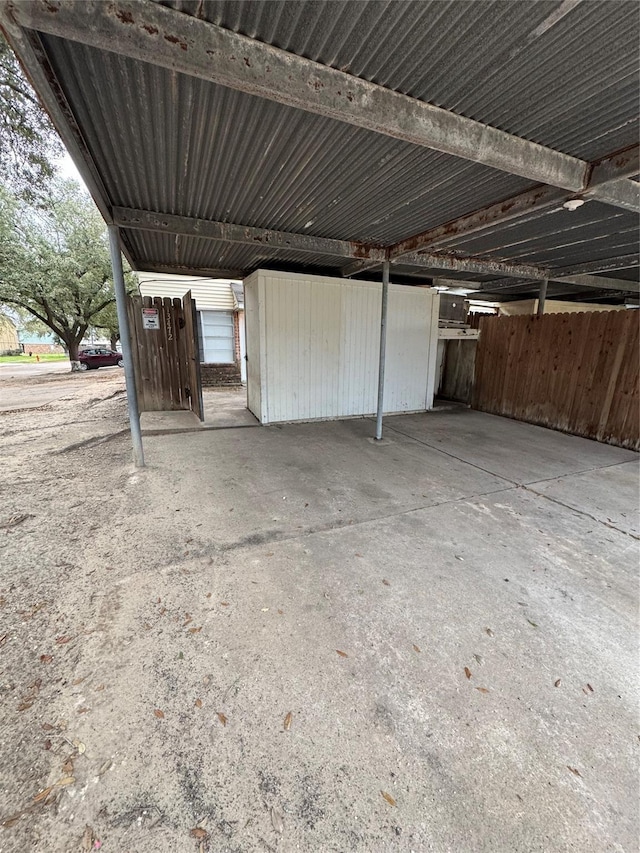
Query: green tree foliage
[54, 261]
[28, 141]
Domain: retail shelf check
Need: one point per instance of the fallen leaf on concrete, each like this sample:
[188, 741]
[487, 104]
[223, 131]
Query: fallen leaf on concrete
[281, 612]
[416, 648]
[83, 710]
[277, 821]
[575, 771]
[385, 582]
[64, 782]
[479, 659]
[88, 839]
[224, 604]
[531, 622]
[467, 672]
[47, 744]
[26, 703]
[359, 555]
[104, 768]
[590, 688]
[62, 640]
[342, 654]
[489, 631]
[42, 795]
[3, 639]
[159, 714]
[67, 768]
[100, 687]
[187, 618]
[287, 721]
[46, 658]
[198, 703]
[79, 746]
[77, 681]
[206, 680]
[222, 718]
[482, 689]
[208, 595]
[195, 630]
[388, 798]
[199, 832]
[557, 682]
[47, 727]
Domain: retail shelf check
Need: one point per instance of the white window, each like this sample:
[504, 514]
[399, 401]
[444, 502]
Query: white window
[216, 337]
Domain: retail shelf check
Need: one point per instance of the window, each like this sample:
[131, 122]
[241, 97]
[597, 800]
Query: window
[217, 344]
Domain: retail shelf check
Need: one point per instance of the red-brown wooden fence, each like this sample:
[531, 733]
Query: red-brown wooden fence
[573, 372]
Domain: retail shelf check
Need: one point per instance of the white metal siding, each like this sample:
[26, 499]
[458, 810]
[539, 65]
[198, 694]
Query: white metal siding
[210, 294]
[253, 341]
[318, 342]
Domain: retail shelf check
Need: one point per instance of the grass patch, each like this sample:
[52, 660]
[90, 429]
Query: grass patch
[25, 359]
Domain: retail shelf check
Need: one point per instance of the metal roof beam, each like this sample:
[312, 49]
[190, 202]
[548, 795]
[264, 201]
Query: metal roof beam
[608, 183]
[622, 262]
[210, 230]
[148, 32]
[583, 282]
[473, 265]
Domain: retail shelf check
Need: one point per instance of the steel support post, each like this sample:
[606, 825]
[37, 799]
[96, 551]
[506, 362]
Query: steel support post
[125, 341]
[383, 346]
[542, 295]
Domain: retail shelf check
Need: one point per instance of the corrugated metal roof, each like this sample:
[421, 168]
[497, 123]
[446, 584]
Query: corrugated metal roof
[562, 74]
[571, 86]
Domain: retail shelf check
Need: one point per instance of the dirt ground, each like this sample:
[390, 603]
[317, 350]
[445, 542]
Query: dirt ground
[290, 639]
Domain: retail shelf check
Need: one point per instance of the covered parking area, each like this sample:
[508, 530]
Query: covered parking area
[448, 615]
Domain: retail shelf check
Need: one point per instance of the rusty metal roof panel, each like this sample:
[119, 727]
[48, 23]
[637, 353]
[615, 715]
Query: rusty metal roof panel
[559, 237]
[561, 74]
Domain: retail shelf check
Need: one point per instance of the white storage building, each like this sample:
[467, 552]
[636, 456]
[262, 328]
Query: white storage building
[313, 347]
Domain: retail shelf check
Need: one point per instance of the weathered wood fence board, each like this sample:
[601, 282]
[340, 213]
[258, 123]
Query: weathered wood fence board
[166, 359]
[578, 373]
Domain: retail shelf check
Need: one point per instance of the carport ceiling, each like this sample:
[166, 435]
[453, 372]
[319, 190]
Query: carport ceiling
[323, 135]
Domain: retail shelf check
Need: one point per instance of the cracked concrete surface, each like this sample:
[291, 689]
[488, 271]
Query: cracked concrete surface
[412, 605]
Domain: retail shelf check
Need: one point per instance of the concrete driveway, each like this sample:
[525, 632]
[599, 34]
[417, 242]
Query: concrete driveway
[292, 638]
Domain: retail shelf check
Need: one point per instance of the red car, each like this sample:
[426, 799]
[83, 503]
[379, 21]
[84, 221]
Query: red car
[91, 359]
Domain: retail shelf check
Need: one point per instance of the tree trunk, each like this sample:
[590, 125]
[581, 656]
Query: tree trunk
[114, 341]
[72, 347]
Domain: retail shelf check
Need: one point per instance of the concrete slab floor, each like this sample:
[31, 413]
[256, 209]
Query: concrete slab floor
[424, 645]
[488, 684]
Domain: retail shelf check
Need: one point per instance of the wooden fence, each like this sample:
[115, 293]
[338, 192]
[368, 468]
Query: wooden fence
[165, 354]
[573, 372]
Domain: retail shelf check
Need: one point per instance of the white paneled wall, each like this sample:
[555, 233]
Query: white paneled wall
[313, 343]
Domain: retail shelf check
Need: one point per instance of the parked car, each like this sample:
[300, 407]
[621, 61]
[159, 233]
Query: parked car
[91, 359]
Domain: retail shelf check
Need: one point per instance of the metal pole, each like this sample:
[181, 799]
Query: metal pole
[383, 346]
[125, 341]
[542, 295]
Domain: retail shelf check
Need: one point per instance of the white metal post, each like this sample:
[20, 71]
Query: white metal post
[125, 341]
[383, 346]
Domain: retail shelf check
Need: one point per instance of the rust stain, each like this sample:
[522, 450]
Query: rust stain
[51, 7]
[124, 16]
[247, 62]
[175, 40]
[150, 29]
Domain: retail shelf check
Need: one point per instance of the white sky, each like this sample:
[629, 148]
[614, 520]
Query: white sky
[66, 168]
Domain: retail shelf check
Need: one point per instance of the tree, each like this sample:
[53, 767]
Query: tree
[29, 141]
[54, 262]
[107, 321]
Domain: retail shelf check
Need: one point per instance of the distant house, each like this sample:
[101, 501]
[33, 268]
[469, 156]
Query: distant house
[38, 343]
[8, 335]
[220, 310]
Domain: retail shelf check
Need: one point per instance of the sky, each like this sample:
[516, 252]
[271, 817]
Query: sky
[67, 169]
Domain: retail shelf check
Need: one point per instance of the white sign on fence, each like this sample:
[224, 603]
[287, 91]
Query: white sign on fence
[150, 319]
